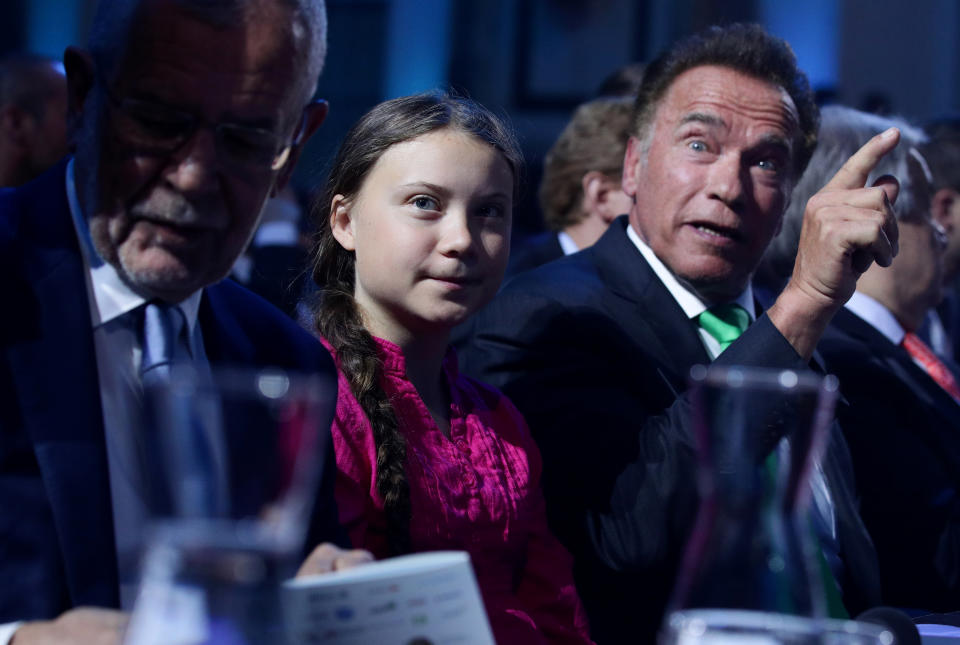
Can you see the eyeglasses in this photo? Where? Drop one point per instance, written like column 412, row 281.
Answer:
column 154, row 128
column 939, row 234
column 940, row 237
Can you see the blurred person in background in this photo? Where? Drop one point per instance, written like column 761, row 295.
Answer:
column 580, row 193
column 33, row 116
column 941, row 329
column 902, row 421
column 623, row 81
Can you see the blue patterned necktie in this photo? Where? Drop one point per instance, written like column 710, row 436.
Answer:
column 164, row 342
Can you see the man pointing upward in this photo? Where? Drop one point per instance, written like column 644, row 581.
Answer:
column 595, row 348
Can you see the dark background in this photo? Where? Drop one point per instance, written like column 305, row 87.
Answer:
column 533, row 60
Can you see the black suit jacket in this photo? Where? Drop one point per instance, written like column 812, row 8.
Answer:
column 596, row 353
column 56, row 526
column 904, row 435
column 540, row 249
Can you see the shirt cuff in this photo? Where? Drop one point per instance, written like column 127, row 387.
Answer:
column 7, row 630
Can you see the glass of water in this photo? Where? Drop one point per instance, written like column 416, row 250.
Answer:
column 742, row 627
column 229, row 486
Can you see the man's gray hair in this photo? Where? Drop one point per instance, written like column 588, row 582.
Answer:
column 842, row 132
column 114, row 19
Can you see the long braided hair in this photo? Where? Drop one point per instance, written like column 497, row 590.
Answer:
column 337, row 317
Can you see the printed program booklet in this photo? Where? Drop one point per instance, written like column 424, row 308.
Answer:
column 420, row 599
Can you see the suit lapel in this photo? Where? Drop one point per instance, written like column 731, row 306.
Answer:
column 648, row 307
column 58, row 390
column 224, row 339
column 913, row 377
column 899, row 362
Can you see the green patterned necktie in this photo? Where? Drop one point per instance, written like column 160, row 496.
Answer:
column 725, row 322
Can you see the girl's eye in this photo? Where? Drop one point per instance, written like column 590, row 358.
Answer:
column 426, row 203
column 490, row 210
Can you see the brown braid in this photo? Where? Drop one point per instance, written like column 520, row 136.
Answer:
column 337, row 317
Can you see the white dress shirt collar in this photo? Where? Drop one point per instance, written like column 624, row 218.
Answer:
column 112, row 297
column 691, row 304
column 877, row 315
column 566, row 243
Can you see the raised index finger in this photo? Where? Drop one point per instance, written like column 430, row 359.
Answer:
column 855, row 171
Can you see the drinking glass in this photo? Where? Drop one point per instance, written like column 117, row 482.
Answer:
column 235, row 460
column 752, row 548
column 739, row 627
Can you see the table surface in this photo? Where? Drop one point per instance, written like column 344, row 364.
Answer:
column 939, row 634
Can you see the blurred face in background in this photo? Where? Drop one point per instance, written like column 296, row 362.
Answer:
column 917, row 279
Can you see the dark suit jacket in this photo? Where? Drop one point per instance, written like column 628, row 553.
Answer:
column 595, row 352
column 904, row 435
column 540, row 249
column 56, row 525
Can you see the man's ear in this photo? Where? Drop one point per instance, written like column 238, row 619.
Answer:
column 942, row 206
column 78, row 65
column 313, row 117
column 631, row 163
column 341, row 222
column 597, row 192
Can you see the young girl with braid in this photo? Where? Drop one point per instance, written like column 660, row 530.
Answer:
column 414, row 236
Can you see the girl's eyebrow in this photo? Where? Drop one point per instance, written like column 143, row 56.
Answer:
column 443, row 191
column 424, row 184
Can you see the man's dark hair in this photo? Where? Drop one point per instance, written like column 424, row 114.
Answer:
column 745, row 48
column 942, row 152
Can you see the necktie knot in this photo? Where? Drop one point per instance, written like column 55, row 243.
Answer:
column 725, row 322
column 164, row 341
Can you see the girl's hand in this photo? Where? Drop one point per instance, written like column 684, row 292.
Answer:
column 329, row 557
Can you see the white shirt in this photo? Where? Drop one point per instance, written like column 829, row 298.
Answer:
column 878, row 316
column 567, row 245
column 691, row 304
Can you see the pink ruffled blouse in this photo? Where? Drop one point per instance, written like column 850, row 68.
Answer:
column 477, row 491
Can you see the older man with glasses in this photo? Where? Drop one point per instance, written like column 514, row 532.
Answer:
column 185, row 115
column 903, row 417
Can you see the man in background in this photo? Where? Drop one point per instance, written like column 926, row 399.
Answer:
column 33, row 117
column 580, row 193
column 941, row 329
column 903, row 419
